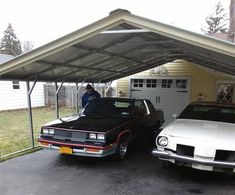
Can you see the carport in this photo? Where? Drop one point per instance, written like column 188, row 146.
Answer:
column 119, row 45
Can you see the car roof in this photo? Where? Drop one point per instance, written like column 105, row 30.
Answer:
column 121, row 98
column 212, row 103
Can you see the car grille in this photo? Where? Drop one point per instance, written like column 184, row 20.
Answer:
column 70, row 135
column 78, row 136
column 185, row 150
column 225, row 155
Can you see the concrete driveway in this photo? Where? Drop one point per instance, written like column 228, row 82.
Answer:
column 47, row 173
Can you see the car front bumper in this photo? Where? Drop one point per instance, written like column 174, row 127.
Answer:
column 83, row 150
column 164, row 155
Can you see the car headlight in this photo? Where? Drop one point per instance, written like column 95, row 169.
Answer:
column 45, row 131
column 162, row 141
column 51, row 132
column 100, row 136
column 48, row 131
column 92, row 136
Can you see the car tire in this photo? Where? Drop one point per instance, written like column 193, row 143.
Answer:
column 231, row 158
column 122, row 148
column 167, row 165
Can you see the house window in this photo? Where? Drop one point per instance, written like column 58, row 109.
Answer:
column 225, row 93
column 166, row 83
column 151, row 83
column 138, row 83
column 15, row 84
column 181, row 84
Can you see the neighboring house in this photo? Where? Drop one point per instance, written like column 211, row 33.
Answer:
column 13, row 94
column 230, row 35
column 224, row 36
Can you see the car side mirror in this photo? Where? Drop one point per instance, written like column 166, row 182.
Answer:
column 175, row 116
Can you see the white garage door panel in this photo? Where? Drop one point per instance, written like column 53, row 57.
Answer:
column 171, row 100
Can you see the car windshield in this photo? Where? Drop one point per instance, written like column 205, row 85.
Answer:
column 109, row 107
column 207, row 112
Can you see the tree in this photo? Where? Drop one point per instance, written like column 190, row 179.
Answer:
column 9, row 43
column 27, row 46
column 216, row 22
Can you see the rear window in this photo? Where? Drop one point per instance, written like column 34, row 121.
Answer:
column 212, row 113
column 120, row 104
column 115, row 107
column 109, row 107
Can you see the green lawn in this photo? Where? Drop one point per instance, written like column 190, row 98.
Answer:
column 14, row 127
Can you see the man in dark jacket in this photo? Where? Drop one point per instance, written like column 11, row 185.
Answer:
column 89, row 95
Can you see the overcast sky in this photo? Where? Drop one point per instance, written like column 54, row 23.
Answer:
column 42, row 21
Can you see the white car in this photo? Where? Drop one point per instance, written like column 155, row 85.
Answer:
column 202, row 137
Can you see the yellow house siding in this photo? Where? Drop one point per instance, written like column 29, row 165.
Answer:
column 122, row 86
column 203, row 81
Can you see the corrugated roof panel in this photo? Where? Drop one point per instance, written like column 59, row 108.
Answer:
column 65, row 55
column 117, row 46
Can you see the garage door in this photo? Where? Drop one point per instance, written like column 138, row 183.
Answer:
column 169, row 94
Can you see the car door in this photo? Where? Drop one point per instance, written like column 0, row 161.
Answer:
column 155, row 118
column 142, row 117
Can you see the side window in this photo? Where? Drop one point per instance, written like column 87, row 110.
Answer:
column 15, row 84
column 225, row 93
column 151, row 107
column 140, row 107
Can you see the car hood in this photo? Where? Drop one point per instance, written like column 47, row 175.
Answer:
column 200, row 129
column 88, row 123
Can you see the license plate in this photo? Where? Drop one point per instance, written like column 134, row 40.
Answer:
column 66, row 150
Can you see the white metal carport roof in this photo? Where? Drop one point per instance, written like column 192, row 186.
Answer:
column 116, row 46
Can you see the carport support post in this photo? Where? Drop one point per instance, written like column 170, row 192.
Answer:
column 29, row 92
column 57, row 99
column 77, row 94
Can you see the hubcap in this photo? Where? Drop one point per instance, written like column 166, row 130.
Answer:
column 123, row 148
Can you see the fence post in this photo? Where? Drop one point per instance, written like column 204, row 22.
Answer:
column 77, row 94
column 77, row 97
column 57, row 89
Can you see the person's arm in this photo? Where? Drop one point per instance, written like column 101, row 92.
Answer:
column 84, row 100
column 97, row 94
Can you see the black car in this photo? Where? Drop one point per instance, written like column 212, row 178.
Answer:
column 104, row 127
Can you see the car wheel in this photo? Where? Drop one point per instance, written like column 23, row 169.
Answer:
column 122, row 148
